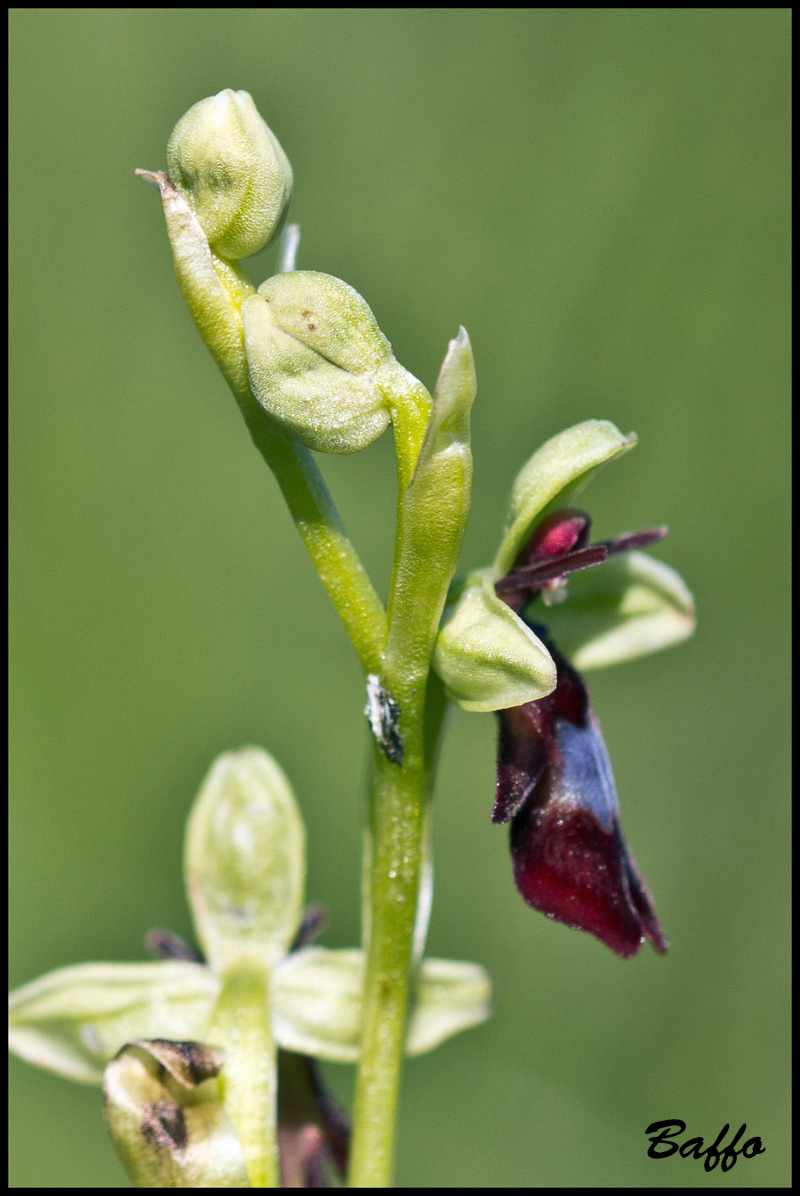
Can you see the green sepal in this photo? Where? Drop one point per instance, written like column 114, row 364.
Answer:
column 212, row 288
column 451, row 996
column 629, row 606
column 486, row 656
column 73, row 1020
column 166, row 1120
column 245, row 860
column 227, row 161
column 316, row 1003
column 317, row 993
column 553, row 476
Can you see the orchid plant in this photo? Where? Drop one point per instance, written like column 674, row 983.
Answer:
column 209, row 1056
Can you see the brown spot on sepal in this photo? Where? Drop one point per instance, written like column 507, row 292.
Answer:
column 163, row 1125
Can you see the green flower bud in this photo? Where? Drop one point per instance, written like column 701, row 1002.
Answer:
column 229, row 165
column 486, row 656
column 553, row 475
column 245, row 860
column 318, row 362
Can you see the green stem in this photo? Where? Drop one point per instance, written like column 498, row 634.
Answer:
column 397, row 824
column 430, row 528
column 241, row 1025
column 399, row 803
column 327, row 543
column 433, row 500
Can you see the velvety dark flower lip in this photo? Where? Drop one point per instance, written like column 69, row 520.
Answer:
column 554, row 777
column 313, row 1131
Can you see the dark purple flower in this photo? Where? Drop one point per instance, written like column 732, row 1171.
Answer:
column 313, row 1132
column 554, row 778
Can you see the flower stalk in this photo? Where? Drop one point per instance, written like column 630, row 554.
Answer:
column 241, row 1024
column 208, row 1057
column 433, row 515
column 305, row 335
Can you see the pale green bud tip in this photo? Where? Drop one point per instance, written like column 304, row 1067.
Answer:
column 229, row 165
column 318, row 362
column 486, row 656
column 455, row 392
column 245, row 859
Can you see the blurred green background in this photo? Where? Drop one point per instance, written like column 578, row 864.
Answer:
column 601, row 197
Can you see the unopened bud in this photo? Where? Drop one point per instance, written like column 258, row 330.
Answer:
column 318, row 362
column 227, row 162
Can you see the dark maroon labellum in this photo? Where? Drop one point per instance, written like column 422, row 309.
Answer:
column 313, row 1132
column 554, row 777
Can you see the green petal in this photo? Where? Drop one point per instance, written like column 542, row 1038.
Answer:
column 451, row 996
column 72, row 1021
column 317, row 1003
column 553, row 475
column 486, row 656
column 245, row 860
column 166, row 1120
column 627, row 607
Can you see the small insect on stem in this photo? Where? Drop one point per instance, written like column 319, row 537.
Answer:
column 383, row 715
